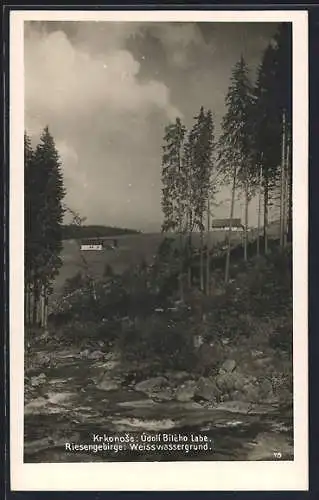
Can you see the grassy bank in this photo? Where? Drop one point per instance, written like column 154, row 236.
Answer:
column 246, row 325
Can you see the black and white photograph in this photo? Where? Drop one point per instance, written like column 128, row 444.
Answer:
column 162, row 177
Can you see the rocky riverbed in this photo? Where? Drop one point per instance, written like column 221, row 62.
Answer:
column 72, row 396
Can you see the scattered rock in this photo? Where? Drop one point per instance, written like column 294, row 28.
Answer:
column 127, row 424
column 229, row 365
column 60, row 397
column 251, row 392
column 96, row 355
column 261, row 362
column 165, row 394
column 225, row 341
column 42, row 359
column 207, row 389
column 108, row 365
column 39, row 380
column 181, row 375
column 257, row 354
column 150, row 385
column 35, row 406
column 226, row 397
column 234, row 406
column 263, row 409
column 266, row 390
column 226, row 382
column 105, row 383
column 241, row 380
column 186, row 392
column 84, row 354
column 236, row 395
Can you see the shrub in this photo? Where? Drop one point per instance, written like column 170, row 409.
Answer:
column 159, row 340
column 72, row 284
column 108, row 271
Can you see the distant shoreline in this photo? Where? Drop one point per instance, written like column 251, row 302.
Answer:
column 71, row 231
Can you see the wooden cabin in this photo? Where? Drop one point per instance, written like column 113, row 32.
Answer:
column 92, row 244
column 99, row 244
column 223, row 225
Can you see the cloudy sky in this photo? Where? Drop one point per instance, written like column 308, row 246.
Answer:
column 106, row 90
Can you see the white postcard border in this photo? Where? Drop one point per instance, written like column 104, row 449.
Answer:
column 165, row 476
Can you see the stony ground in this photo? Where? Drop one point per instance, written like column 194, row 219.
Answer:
column 70, row 394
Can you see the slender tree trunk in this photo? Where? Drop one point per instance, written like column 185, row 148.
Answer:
column 290, row 192
column 29, row 295
column 181, row 287
column 189, row 250
column 189, row 268
column 259, row 209
column 266, row 201
column 201, row 270
column 45, row 312
column 208, row 248
column 286, row 197
column 26, row 301
column 246, row 221
column 35, row 303
column 283, row 179
column 232, row 207
column 42, row 306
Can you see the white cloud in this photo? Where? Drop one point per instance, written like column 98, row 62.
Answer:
column 98, row 112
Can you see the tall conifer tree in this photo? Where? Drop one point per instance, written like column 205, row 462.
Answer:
column 236, row 143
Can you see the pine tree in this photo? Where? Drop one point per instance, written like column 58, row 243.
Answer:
column 236, row 144
column 273, row 102
column 29, row 257
column 187, row 160
column 283, row 97
column 202, row 135
column 267, row 131
column 175, row 187
column 44, row 221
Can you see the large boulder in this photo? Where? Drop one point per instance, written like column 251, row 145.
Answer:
column 207, row 389
column 107, row 384
column 39, row 380
column 150, row 385
column 186, row 391
column 178, row 375
column 231, row 381
column 251, row 392
column 263, row 362
column 96, row 355
column 228, row 366
column 266, row 390
column 225, row 382
column 234, row 406
column 165, row 394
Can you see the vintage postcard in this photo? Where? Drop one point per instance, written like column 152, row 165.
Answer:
column 158, row 250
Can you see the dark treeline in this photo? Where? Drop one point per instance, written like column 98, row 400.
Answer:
column 252, row 156
column 44, row 192
column 72, row 231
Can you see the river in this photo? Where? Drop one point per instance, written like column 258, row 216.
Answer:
column 66, row 407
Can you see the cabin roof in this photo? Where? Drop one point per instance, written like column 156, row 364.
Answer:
column 226, row 222
column 92, row 241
